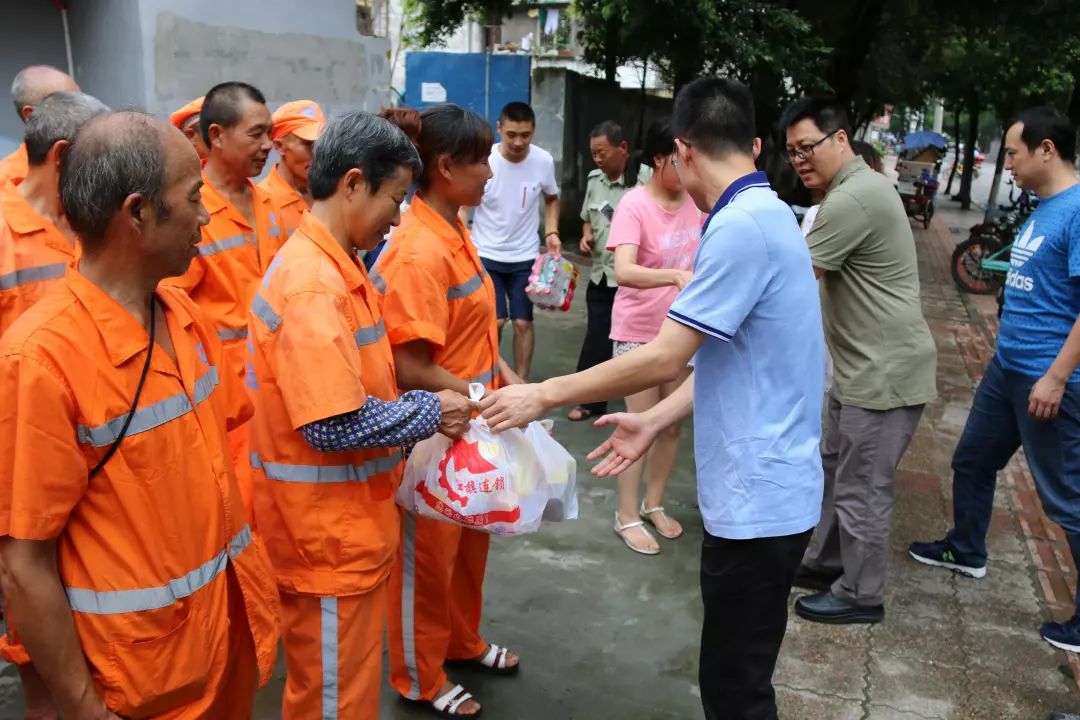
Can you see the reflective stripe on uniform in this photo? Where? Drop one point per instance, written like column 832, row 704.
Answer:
column 456, row 292
column 151, row 416
column 227, row 334
column 376, row 279
column 111, row 602
column 262, row 310
column 369, row 335
column 229, row 243
column 329, row 642
column 326, row 473
column 408, row 599
column 24, row 276
column 485, row 377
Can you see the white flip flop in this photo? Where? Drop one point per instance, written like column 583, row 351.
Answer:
column 645, row 514
column 619, row 528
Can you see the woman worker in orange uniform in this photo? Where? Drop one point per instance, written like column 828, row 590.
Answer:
column 329, row 426
column 439, row 307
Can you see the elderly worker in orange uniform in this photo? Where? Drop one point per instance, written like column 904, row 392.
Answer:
column 32, row 85
column 35, row 240
column 242, row 236
column 297, row 125
column 329, row 425
column 36, row 245
column 186, row 120
column 136, row 583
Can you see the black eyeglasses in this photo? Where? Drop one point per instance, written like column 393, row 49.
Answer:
column 806, row 152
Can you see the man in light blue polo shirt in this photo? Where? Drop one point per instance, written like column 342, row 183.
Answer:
column 751, row 316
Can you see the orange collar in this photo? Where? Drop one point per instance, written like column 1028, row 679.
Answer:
column 123, row 335
column 281, row 187
column 453, row 235
column 316, row 231
column 19, row 214
column 215, row 202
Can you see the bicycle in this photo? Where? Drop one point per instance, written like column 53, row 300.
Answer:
column 980, row 264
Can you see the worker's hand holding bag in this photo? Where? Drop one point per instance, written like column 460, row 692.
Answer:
column 500, row 484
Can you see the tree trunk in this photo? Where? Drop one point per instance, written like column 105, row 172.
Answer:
column 969, row 152
column 642, row 102
column 611, row 50
column 956, row 152
column 999, row 167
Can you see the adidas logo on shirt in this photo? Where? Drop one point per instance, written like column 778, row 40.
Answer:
column 1022, row 250
column 1026, row 246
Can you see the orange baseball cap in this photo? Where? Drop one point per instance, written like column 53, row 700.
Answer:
column 182, row 115
column 303, row 118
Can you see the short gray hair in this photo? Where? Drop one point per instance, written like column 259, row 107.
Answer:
column 359, row 140
column 58, row 117
column 112, row 157
column 33, row 83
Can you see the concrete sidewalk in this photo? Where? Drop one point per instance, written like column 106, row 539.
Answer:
column 609, row 635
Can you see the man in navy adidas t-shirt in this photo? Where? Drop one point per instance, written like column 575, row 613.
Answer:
column 1030, row 393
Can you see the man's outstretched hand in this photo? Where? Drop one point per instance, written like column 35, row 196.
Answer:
column 513, row 406
column 634, row 434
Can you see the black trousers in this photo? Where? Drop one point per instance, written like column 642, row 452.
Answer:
column 599, row 299
column 745, row 586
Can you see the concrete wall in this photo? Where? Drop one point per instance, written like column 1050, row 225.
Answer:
column 30, row 34
column 106, row 42
column 289, row 49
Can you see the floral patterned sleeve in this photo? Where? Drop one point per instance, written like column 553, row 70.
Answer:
column 379, row 423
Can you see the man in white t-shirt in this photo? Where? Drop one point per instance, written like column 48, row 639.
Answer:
column 506, row 224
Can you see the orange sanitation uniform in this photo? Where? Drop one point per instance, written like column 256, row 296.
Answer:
column 171, row 592
column 320, row 350
column 435, row 290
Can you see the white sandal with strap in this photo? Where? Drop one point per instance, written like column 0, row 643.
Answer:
column 619, row 528
column 495, row 661
column 646, row 514
column 447, row 705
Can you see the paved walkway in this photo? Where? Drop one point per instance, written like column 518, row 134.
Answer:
column 609, row 635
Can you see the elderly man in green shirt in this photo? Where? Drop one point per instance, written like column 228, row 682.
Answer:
column 884, row 359
column 607, row 185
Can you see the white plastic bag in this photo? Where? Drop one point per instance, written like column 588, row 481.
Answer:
column 500, row 484
column 560, row 472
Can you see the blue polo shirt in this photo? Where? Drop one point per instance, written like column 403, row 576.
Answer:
column 759, row 375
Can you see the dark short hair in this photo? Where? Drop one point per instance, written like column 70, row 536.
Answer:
column 58, row 117
column 517, row 112
column 359, row 140
column 716, row 115
column 112, row 156
column 1047, row 123
column 223, row 104
column 450, row 130
column 826, row 112
column 611, row 130
column 659, row 140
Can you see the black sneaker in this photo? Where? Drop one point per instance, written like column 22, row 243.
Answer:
column 1063, row 716
column 811, row 579
column 941, row 554
column 1065, row 636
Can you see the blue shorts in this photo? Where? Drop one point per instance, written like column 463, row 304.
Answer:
column 510, row 280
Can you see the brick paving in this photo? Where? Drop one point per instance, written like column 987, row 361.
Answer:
column 950, row 647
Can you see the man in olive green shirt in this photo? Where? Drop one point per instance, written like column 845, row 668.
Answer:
column 606, row 187
column 884, row 361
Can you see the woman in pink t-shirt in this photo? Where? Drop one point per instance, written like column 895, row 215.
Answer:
column 654, row 234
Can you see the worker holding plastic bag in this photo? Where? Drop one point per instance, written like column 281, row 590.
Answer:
column 500, row 484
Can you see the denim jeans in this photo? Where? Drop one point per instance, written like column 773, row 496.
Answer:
column 997, row 427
